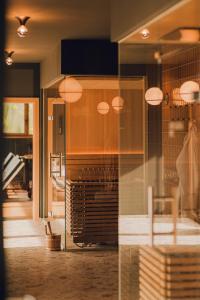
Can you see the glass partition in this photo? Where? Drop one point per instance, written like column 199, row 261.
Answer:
column 132, row 147
column 158, row 175
column 83, row 146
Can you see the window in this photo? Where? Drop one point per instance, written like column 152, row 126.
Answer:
column 18, row 119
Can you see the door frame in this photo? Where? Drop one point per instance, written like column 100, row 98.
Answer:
column 51, row 103
column 36, row 158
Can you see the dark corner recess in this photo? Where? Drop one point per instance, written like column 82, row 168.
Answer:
column 89, row 57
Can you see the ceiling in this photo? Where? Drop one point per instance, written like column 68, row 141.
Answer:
column 51, row 21
column 184, row 14
column 144, row 53
column 135, row 50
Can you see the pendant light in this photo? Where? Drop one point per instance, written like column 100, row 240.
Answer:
column 70, row 89
column 8, row 57
column 117, row 103
column 154, row 96
column 188, row 89
column 22, row 30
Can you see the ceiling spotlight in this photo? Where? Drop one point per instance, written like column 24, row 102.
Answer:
column 8, row 59
column 145, row 33
column 22, row 30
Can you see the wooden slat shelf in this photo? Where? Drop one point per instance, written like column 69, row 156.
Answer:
column 91, row 193
column 92, row 210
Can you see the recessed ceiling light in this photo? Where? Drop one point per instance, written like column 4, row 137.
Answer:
column 8, row 58
column 145, row 33
column 22, row 30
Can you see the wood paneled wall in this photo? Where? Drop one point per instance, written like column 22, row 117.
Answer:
column 88, row 131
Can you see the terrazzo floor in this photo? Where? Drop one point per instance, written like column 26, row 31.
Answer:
column 73, row 275
column 77, row 274
column 129, row 272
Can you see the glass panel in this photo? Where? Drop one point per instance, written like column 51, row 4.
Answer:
column 167, row 212
column 89, row 192
column 131, row 172
column 92, row 160
column 13, row 118
column 30, row 119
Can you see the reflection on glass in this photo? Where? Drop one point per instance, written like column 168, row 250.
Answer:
column 170, row 166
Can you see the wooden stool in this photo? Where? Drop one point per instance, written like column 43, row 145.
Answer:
column 169, row 272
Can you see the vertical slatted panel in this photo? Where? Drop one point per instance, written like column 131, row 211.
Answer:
column 92, row 203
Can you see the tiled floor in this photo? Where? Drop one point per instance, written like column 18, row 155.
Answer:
column 74, row 275
column 81, row 274
column 77, row 274
column 129, row 272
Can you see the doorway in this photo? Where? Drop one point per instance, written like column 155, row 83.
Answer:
column 21, row 161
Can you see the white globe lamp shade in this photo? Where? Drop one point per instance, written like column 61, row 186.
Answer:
column 154, row 96
column 117, row 103
column 103, row 108
column 70, row 90
column 187, row 91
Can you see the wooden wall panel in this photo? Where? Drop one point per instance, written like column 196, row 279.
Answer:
column 88, row 131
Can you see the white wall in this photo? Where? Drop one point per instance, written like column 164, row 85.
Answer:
column 51, row 67
column 127, row 15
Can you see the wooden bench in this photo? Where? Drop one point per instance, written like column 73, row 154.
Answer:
column 169, row 272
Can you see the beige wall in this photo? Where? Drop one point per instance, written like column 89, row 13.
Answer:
column 127, row 15
column 50, row 67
